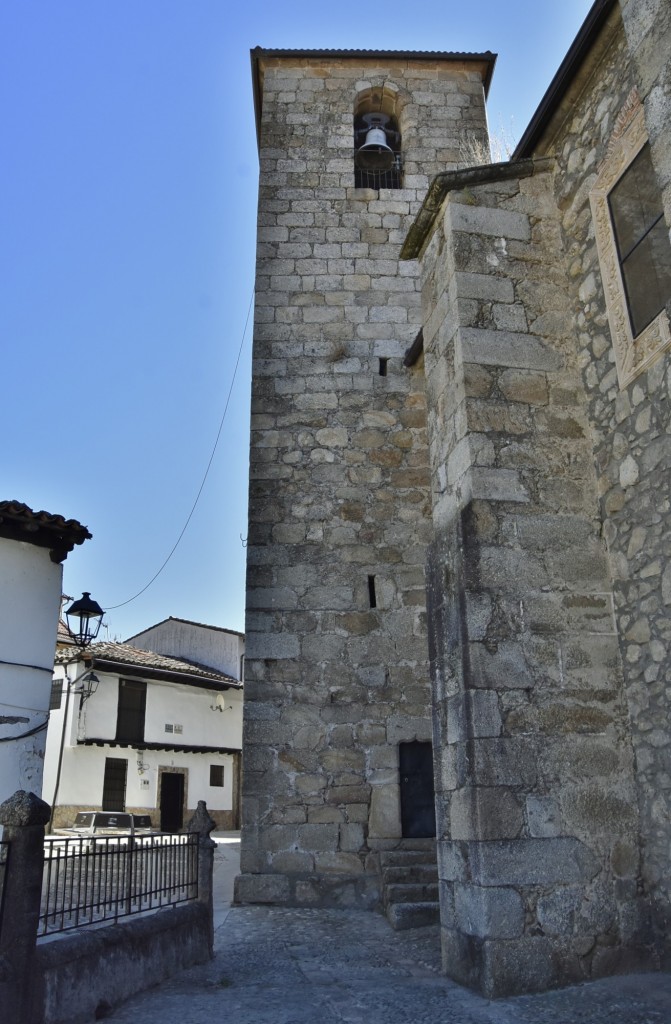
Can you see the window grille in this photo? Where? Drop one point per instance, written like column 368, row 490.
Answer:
column 56, row 694
column 386, row 140
column 380, row 179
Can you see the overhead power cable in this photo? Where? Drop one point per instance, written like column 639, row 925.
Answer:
column 156, row 575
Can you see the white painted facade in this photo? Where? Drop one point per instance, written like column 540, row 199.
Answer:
column 30, row 596
column 195, row 716
column 222, row 649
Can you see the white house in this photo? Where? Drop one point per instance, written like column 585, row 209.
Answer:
column 32, row 547
column 151, row 732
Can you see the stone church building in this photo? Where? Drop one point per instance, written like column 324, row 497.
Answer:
column 459, row 573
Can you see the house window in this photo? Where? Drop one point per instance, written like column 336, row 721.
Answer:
column 131, row 711
column 114, row 784
column 216, row 774
column 642, row 240
column 56, row 694
column 632, row 241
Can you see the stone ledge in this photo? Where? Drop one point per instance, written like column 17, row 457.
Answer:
column 450, row 181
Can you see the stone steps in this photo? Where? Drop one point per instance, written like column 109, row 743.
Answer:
column 417, row 849
column 410, row 885
column 414, row 892
column 412, row 915
column 416, row 873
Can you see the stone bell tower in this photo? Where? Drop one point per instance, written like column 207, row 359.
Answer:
column 337, row 687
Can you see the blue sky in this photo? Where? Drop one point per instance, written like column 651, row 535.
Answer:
column 128, row 206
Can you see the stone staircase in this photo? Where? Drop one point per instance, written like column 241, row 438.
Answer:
column 410, row 885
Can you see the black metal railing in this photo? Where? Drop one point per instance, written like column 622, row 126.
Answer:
column 380, row 179
column 4, row 857
column 102, row 878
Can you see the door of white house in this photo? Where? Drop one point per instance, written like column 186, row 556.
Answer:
column 171, row 800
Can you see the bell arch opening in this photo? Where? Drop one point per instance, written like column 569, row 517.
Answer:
column 378, row 161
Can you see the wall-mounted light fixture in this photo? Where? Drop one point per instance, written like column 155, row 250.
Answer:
column 87, row 687
column 84, row 618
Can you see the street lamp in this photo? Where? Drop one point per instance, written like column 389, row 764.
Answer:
column 84, row 618
column 87, row 687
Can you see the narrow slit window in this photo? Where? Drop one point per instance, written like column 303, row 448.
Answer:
column 383, row 367
column 372, row 597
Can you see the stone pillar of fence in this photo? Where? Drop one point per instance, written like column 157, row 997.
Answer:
column 202, row 824
column 23, row 817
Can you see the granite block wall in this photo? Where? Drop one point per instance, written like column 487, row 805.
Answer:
column 512, row 463
column 630, row 426
column 538, row 848
column 336, row 658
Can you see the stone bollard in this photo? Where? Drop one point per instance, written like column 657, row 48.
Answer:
column 202, row 824
column 23, row 817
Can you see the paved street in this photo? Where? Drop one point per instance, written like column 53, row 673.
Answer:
column 276, row 966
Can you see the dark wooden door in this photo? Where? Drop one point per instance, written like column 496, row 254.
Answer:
column 172, row 801
column 418, row 810
column 114, row 784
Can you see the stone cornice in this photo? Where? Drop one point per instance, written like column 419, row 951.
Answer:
column 450, row 181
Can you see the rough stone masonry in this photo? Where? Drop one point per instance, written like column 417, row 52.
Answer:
column 337, row 657
column 513, row 458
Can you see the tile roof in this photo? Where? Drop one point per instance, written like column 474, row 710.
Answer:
column 63, row 635
column 155, row 664
column 44, row 530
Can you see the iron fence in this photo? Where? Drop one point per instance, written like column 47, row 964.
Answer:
column 102, row 878
column 4, row 857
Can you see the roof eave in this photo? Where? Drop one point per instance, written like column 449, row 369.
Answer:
column 188, row 622
column 159, row 674
column 42, row 529
column 183, row 748
column 566, row 73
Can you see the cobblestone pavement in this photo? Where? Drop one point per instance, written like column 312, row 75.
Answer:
column 279, row 966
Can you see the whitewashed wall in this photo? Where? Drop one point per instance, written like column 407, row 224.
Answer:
column 83, row 767
column 30, row 594
column 207, row 645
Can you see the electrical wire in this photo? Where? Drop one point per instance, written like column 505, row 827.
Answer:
column 22, row 664
column 22, row 735
column 113, row 607
column 20, row 707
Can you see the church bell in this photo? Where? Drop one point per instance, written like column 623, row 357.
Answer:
column 375, row 154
